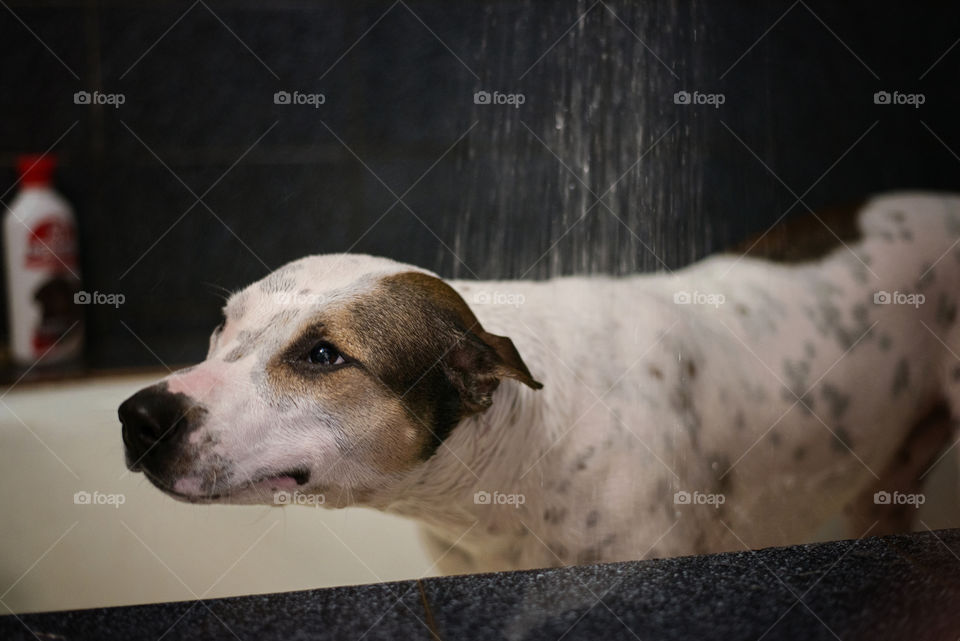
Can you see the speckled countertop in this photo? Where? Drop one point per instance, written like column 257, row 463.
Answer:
column 898, row 587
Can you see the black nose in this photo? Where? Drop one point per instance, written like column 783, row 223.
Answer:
column 150, row 416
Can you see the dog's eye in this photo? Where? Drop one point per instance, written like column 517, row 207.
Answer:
column 325, row 354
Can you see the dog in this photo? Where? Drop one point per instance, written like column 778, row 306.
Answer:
column 738, row 403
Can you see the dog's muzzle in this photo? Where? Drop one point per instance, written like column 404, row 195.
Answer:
column 155, row 422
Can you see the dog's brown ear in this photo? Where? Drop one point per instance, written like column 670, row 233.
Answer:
column 510, row 365
column 476, row 364
column 473, row 359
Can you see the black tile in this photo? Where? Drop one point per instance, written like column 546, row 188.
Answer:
column 210, row 81
column 415, row 91
column 45, row 60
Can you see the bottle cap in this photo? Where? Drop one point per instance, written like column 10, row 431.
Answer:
column 36, row 169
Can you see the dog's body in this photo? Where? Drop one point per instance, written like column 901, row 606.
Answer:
column 738, row 402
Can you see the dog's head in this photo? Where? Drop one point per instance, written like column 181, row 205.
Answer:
column 334, row 375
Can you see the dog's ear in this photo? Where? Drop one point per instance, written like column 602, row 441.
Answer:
column 477, row 362
column 474, row 360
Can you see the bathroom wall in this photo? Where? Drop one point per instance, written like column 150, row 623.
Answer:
column 199, row 182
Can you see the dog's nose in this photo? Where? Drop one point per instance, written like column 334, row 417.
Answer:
column 151, row 415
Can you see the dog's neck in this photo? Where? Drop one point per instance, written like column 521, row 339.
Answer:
column 486, row 453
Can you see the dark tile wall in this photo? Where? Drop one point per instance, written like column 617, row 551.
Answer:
column 200, row 183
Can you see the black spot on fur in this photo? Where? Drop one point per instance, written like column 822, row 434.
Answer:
column 580, row 463
column 828, row 317
column 592, row 518
column 837, row 401
column 554, row 515
column 799, row 453
column 841, row 442
column 885, row 342
column 795, row 377
column 861, row 314
column 946, row 310
column 655, row 372
column 901, row 377
column 739, row 421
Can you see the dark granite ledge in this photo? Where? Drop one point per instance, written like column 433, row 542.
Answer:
column 898, row 587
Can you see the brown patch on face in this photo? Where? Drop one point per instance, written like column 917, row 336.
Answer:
column 418, row 362
column 802, row 238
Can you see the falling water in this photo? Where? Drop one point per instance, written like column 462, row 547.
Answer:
column 593, row 173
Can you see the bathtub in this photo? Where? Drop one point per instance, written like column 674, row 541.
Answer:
column 132, row 544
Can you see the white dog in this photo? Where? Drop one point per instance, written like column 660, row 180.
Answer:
column 737, row 402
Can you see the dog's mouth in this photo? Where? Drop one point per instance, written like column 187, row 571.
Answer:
column 300, row 475
column 263, row 488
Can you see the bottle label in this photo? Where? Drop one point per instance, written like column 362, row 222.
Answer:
column 58, row 313
column 52, row 245
column 51, row 250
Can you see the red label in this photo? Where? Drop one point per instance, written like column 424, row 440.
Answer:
column 52, row 245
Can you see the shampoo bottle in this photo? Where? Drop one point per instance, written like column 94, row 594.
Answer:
column 43, row 282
